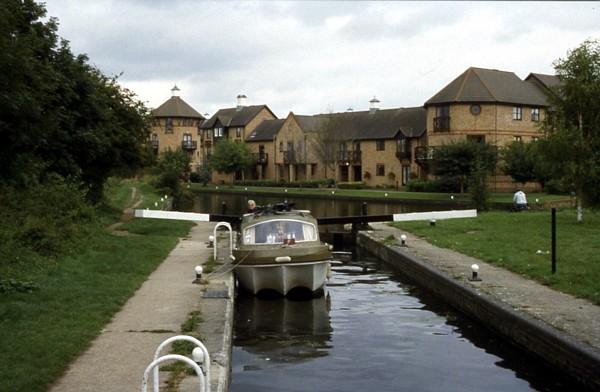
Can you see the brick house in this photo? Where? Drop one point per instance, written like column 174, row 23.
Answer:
column 175, row 126
column 231, row 123
column 262, row 144
column 486, row 105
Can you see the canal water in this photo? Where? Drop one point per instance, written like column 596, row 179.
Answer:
column 372, row 330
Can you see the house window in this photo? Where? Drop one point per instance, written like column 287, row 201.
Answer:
column 380, row 145
column 218, row 132
column 280, row 146
column 535, row 114
column 517, row 138
column 535, row 138
column 238, row 132
column 402, row 145
column 380, row 171
column 517, row 113
column 169, row 125
column 441, row 121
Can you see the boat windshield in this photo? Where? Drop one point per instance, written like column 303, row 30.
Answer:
column 280, row 231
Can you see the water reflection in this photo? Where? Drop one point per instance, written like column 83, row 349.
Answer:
column 373, row 331
column 283, row 330
column 236, row 204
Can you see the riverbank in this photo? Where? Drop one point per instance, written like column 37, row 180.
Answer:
column 71, row 297
column 497, row 200
column 562, row 330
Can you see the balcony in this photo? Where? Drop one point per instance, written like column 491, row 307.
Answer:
column 406, row 154
column 424, row 154
column 261, row 158
column 289, row 157
column 349, row 157
column 188, row 145
column 441, row 124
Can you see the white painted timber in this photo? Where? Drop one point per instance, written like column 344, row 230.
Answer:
column 173, row 215
column 413, row 216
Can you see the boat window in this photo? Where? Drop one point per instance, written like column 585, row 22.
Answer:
column 276, row 231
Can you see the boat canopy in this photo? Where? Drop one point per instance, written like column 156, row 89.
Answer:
column 275, row 231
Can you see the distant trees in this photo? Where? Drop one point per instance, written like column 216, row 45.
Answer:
column 572, row 128
column 231, row 157
column 58, row 114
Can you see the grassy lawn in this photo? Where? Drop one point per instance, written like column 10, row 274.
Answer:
column 511, row 240
column 77, row 294
column 362, row 194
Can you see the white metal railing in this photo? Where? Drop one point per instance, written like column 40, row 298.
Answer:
column 228, row 226
column 202, row 361
column 174, row 357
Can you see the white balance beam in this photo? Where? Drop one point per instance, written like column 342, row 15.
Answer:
column 173, row 215
column 413, row 216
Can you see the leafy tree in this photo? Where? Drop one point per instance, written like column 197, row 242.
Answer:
column 326, row 139
column 173, row 167
column 461, row 159
column 572, row 128
column 58, row 114
column 519, row 161
column 230, row 157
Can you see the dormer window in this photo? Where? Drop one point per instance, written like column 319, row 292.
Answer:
column 218, row 132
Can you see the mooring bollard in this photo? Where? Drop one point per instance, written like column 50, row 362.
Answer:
column 224, row 208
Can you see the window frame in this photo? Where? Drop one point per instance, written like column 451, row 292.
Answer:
column 517, row 113
column 380, row 145
column 535, row 114
column 380, row 170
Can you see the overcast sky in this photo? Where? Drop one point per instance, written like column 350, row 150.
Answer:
column 314, row 57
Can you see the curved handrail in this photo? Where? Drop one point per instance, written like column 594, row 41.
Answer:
column 189, row 339
column 173, row 357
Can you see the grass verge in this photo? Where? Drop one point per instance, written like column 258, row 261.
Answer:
column 375, row 194
column 512, row 241
column 77, row 293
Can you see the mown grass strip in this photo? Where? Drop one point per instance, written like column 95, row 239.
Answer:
column 371, row 194
column 521, row 242
column 77, row 294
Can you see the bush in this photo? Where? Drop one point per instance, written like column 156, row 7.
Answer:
column 351, row 185
column 441, row 185
column 556, row 187
column 283, row 184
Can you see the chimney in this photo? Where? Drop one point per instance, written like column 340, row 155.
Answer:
column 241, row 101
column 175, row 91
column 373, row 105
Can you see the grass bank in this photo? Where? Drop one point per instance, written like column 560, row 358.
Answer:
column 376, row 194
column 512, row 241
column 76, row 293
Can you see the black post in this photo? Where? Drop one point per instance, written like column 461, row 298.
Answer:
column 363, row 224
column 553, row 240
column 224, row 208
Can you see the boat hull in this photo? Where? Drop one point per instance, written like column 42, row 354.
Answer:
column 283, row 277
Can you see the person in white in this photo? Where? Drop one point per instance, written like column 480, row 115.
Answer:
column 520, row 200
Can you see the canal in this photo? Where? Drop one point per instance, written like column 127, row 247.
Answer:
column 372, row 330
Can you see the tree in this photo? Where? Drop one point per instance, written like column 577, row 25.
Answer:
column 327, row 136
column 230, row 157
column 519, row 161
column 58, row 114
column 461, row 159
column 572, row 128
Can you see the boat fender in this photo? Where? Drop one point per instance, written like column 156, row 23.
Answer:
column 283, row 259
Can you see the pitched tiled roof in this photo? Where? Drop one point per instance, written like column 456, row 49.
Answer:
column 232, row 117
column 489, row 85
column 547, row 81
column 382, row 124
column 176, row 107
column 266, row 130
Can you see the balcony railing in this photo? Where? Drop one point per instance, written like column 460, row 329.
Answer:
column 189, row 144
column 406, row 154
column 441, row 124
column 424, row 154
column 289, row 157
column 261, row 158
column 349, row 157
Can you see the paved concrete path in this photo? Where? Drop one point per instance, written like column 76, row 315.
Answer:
column 118, row 356
column 576, row 317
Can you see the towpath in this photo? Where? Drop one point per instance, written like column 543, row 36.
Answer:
column 116, row 359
